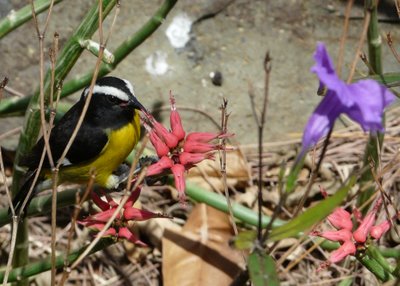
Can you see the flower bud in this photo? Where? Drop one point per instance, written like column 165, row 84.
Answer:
column 340, row 218
column 161, row 148
column 178, row 171
column 361, row 233
column 348, row 248
column 139, row 215
column 206, row 136
column 124, row 232
column 176, row 125
column 188, row 159
column 170, row 139
column 341, row 235
column 99, row 202
column 160, row 166
column 378, row 230
column 199, row 147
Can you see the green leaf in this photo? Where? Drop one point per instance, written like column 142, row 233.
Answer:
column 312, row 215
column 262, row 269
column 245, row 239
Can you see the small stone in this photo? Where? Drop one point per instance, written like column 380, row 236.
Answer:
column 216, row 78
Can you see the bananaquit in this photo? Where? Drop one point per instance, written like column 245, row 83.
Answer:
column 109, row 132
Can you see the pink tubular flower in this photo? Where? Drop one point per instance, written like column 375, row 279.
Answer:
column 161, row 148
column 119, row 227
column 194, row 158
column 341, row 235
column 347, row 248
column 378, row 230
column 160, row 166
column 175, row 121
column 178, row 171
column 349, row 240
column 340, row 218
column 361, row 233
column 177, row 151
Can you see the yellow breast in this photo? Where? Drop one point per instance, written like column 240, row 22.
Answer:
column 120, row 143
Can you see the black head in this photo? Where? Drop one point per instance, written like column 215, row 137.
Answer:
column 113, row 99
column 116, row 91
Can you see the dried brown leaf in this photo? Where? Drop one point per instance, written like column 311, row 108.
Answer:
column 200, row 254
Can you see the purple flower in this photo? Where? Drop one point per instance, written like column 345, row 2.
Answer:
column 363, row 101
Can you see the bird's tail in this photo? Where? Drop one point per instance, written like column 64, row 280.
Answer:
column 23, row 198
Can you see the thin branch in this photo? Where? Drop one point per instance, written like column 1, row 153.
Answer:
column 71, row 232
column 222, row 162
column 364, row 58
column 392, row 48
column 314, row 174
column 367, row 18
column 344, row 36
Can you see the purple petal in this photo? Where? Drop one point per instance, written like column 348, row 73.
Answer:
column 321, row 120
column 370, row 100
column 326, row 73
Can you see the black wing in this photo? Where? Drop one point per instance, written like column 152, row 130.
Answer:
column 88, row 143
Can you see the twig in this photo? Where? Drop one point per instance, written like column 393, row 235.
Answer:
column 363, row 57
column 222, row 162
column 14, row 225
column 392, row 48
column 78, row 207
column 367, row 18
column 260, row 121
column 14, row 92
column 314, row 174
column 11, row 132
column 344, row 36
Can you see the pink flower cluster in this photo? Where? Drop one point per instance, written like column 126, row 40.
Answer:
column 177, row 151
column 349, row 239
column 120, row 226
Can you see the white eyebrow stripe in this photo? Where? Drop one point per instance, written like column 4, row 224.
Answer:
column 110, row 91
column 129, row 86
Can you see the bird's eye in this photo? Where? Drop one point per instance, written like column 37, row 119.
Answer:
column 113, row 99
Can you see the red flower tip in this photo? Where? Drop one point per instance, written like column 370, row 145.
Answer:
column 139, row 215
column 378, row 230
column 169, row 139
column 133, row 197
column 104, row 216
column 206, row 136
column 178, row 171
column 340, row 218
column 361, row 233
column 99, row 202
column 176, row 125
column 124, row 232
column 161, row 148
column 199, row 147
column 186, row 158
column 160, row 166
column 347, row 248
column 341, row 235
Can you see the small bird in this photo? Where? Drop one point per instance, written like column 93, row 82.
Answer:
column 109, row 132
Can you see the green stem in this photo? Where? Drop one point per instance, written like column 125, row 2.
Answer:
column 217, row 201
column 16, row 19
column 20, row 273
column 375, row 60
